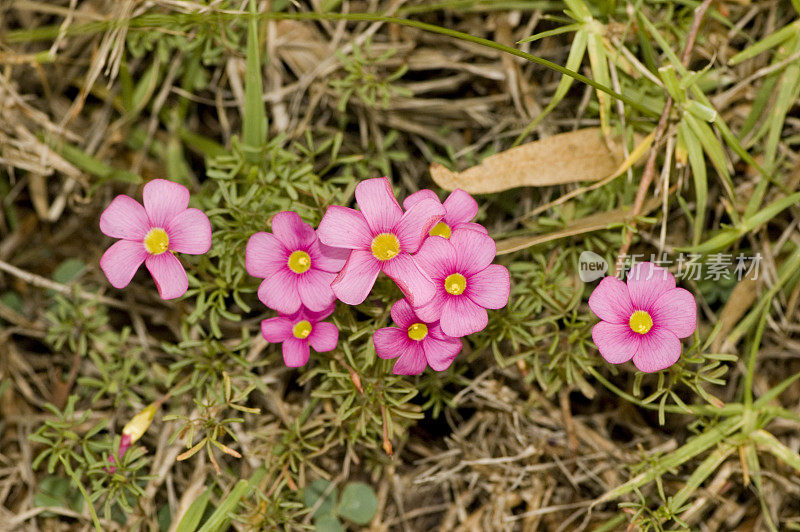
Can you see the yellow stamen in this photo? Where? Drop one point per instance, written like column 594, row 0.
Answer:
column 385, row 246
column 299, row 262
column 156, row 241
column 641, row 322
column 418, row 331
column 302, row 329
column 455, row 284
column 441, row 229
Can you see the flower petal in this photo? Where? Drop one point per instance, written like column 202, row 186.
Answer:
column 474, row 250
column 279, row 292
column 342, row 227
column 491, row 287
column 460, row 207
column 121, row 261
column 431, row 311
column 440, row 353
column 390, row 342
column 326, row 258
column 276, row 330
column 292, row 231
column 472, row 226
column 324, row 337
column 416, row 223
column 376, row 200
column 415, row 285
column 676, row 311
column 315, row 289
column 436, row 257
column 412, row 361
column 357, row 278
column 460, row 317
column 295, row 352
column 314, row 316
column 646, row 283
column 125, row 218
column 418, row 196
column 610, row 301
column 403, row 315
column 616, row 342
column 189, row 232
column 169, row 275
column 265, row 255
column 163, row 200
column 658, row 349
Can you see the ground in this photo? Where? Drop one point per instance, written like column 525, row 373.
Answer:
column 627, row 129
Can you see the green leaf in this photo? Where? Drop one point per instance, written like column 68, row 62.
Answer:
column 221, row 518
column 57, row 492
column 698, row 164
column 254, row 121
column 328, row 523
column 312, row 494
column 68, row 271
column 358, row 503
column 195, row 512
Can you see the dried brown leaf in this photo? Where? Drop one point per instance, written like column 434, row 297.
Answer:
column 581, row 155
column 595, row 222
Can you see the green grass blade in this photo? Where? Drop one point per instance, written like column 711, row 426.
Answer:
column 766, row 43
column 220, row 519
column 698, row 165
column 697, row 445
column 194, row 514
column 254, row 121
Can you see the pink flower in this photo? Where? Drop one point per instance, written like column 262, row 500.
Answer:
column 460, row 208
column 381, row 238
column 642, row 319
column 296, row 268
column 152, row 234
column 417, row 343
column 466, row 281
column 299, row 331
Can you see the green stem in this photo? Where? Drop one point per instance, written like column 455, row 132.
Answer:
column 697, row 410
column 84, row 493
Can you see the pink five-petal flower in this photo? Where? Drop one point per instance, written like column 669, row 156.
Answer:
column 152, row 234
column 466, row 281
column 380, row 237
column 460, row 208
column 642, row 319
column 300, row 331
column 417, row 344
column 297, row 269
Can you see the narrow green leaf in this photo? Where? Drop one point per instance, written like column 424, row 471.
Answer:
column 195, row 513
column 220, row 519
column 698, row 165
column 772, row 445
column 697, row 445
column 712, row 462
column 254, row 121
column 771, row 41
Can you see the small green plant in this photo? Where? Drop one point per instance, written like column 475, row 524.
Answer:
column 356, row 503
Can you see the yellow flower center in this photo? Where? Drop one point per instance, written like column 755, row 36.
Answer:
column 641, row 322
column 302, row 329
column 440, row 229
column 156, row 241
column 455, row 284
column 385, row 246
column 418, row 331
column 299, row 261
